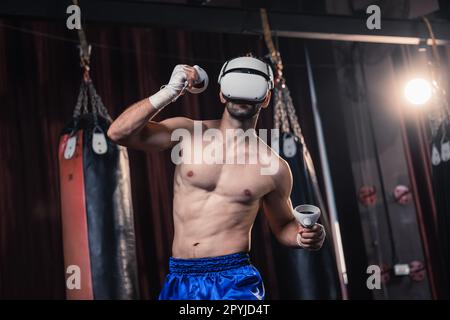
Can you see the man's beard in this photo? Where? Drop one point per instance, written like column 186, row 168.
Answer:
column 243, row 111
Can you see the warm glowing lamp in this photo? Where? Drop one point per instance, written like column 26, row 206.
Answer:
column 418, row 91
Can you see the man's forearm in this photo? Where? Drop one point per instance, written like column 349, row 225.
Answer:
column 288, row 234
column 132, row 120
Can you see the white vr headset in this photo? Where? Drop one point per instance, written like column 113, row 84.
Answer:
column 245, row 79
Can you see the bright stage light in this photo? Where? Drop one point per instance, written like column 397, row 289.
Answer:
column 418, row 91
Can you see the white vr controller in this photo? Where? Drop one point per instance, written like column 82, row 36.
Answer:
column 245, row 79
column 202, row 78
column 307, row 215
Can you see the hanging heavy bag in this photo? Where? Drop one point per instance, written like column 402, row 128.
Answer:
column 96, row 206
column 304, row 274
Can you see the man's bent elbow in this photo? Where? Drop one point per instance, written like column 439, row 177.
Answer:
column 115, row 135
column 283, row 239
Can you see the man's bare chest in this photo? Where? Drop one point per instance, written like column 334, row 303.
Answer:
column 240, row 182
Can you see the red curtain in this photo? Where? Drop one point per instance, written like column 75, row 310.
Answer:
column 39, row 81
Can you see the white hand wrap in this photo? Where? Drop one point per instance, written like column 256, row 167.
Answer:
column 177, row 84
column 171, row 91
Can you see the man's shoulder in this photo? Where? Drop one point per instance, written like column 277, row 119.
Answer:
column 284, row 171
column 282, row 175
column 189, row 123
column 211, row 124
column 270, row 152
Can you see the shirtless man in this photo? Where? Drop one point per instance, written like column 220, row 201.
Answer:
column 215, row 205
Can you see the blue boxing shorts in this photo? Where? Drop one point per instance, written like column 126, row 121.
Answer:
column 229, row 277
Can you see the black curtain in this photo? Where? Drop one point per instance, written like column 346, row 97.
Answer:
column 39, row 82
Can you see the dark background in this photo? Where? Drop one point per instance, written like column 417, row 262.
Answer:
column 39, row 82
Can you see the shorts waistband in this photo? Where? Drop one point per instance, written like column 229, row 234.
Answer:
column 205, row 265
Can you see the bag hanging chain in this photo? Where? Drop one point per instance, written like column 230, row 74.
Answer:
column 284, row 111
column 87, row 89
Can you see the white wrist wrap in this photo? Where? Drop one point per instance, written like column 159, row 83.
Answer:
column 171, row 91
column 162, row 98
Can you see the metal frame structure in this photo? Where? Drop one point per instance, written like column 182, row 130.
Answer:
column 233, row 20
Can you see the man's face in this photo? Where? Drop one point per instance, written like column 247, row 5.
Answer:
column 242, row 111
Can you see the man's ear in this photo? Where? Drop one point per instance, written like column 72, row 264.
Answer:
column 266, row 100
column 222, row 99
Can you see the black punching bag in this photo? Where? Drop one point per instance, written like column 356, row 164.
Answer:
column 304, row 274
column 97, row 213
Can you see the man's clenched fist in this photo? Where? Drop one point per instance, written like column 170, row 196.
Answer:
column 311, row 238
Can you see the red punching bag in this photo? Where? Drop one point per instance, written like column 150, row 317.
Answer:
column 96, row 206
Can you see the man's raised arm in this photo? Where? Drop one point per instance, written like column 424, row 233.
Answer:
column 133, row 127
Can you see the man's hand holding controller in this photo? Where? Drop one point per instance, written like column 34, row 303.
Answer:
column 183, row 78
column 311, row 235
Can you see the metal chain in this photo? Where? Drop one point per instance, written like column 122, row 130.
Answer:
column 280, row 114
column 93, row 103
column 87, row 89
column 80, row 100
column 88, row 93
column 284, row 114
column 98, row 108
column 284, row 111
column 85, row 100
column 292, row 115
